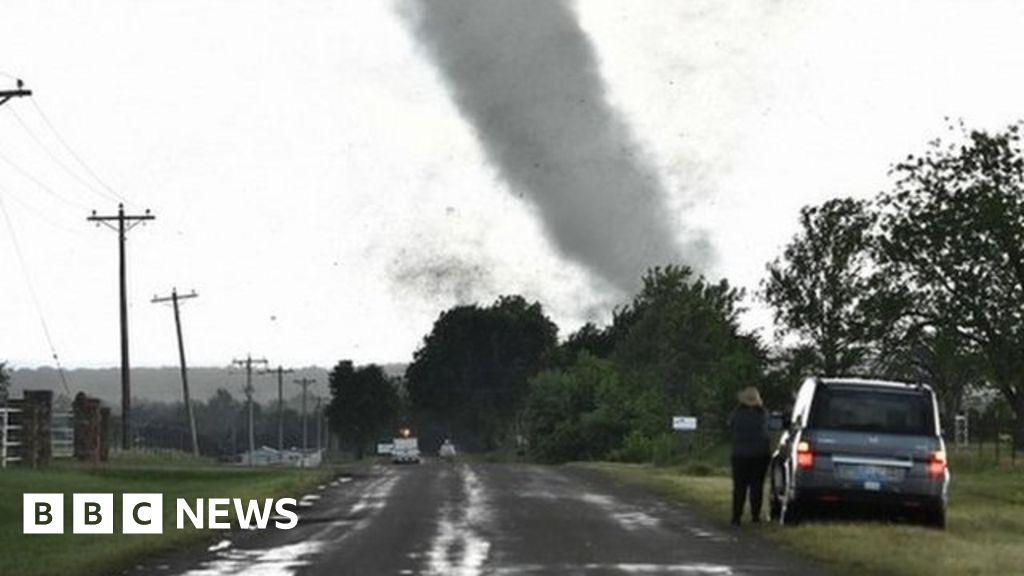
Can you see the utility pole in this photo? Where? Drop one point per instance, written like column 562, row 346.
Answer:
column 280, row 371
column 6, row 95
column 319, row 427
column 174, row 298
column 248, row 362
column 125, row 223
column 304, row 382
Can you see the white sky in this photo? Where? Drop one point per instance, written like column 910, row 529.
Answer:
column 296, row 153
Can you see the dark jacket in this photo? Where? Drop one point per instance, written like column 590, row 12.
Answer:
column 749, row 426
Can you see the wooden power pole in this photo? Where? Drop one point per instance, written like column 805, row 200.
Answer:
column 20, row 92
column 248, row 362
column 174, row 298
column 280, row 371
column 304, row 382
column 125, row 223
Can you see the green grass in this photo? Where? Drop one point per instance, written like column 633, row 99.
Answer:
column 186, row 477
column 984, row 534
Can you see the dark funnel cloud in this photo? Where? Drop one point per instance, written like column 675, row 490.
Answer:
column 525, row 75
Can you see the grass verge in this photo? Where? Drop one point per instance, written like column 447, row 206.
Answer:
column 84, row 554
column 984, row 534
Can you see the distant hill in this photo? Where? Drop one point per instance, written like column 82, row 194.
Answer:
column 164, row 384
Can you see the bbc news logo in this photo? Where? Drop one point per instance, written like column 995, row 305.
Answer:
column 144, row 513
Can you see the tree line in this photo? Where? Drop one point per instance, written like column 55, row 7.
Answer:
column 923, row 282
column 222, row 425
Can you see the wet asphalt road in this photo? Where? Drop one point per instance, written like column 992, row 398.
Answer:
column 442, row 518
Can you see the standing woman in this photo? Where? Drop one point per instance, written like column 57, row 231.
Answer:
column 750, row 453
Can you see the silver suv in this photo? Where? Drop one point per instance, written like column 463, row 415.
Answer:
column 853, row 442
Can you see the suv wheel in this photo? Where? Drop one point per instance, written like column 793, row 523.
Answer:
column 936, row 517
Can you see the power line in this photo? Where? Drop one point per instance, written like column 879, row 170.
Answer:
column 39, row 213
column 71, row 151
column 35, row 297
column 28, row 176
column 46, row 149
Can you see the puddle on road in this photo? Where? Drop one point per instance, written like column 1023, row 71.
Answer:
column 287, row 560
column 626, row 516
column 689, row 569
column 458, row 549
column 222, row 545
column 280, row 561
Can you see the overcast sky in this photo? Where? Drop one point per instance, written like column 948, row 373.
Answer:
column 329, row 176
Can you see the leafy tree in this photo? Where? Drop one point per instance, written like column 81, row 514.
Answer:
column 939, row 356
column 363, row 403
column 681, row 350
column 220, row 424
column 820, row 287
column 577, row 413
column 953, row 249
column 472, row 371
column 589, row 339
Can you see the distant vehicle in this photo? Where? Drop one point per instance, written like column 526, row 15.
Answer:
column 853, row 442
column 447, row 450
column 384, row 447
column 405, row 450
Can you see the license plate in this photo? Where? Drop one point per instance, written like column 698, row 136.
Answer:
column 872, row 474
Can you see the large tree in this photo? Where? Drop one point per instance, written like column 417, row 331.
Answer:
column 681, row 350
column 471, row 373
column 952, row 249
column 819, row 287
column 938, row 355
column 364, row 403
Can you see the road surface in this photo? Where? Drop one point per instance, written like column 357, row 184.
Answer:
column 443, row 518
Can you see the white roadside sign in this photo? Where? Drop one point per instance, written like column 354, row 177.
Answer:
column 684, row 422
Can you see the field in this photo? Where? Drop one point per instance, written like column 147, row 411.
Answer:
column 984, row 535
column 67, row 554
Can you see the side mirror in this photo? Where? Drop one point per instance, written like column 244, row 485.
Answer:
column 778, row 421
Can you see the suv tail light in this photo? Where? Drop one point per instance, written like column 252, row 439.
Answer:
column 804, row 456
column 937, row 463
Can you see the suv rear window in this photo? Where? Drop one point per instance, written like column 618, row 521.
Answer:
column 862, row 409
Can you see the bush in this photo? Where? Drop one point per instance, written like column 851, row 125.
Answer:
column 665, row 450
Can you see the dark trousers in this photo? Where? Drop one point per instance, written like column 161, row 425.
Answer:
column 748, row 477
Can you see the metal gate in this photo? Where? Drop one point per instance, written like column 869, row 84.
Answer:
column 10, row 435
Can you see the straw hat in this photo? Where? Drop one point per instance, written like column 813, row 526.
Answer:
column 749, row 396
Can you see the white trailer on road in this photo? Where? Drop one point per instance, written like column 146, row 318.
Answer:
column 405, row 450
